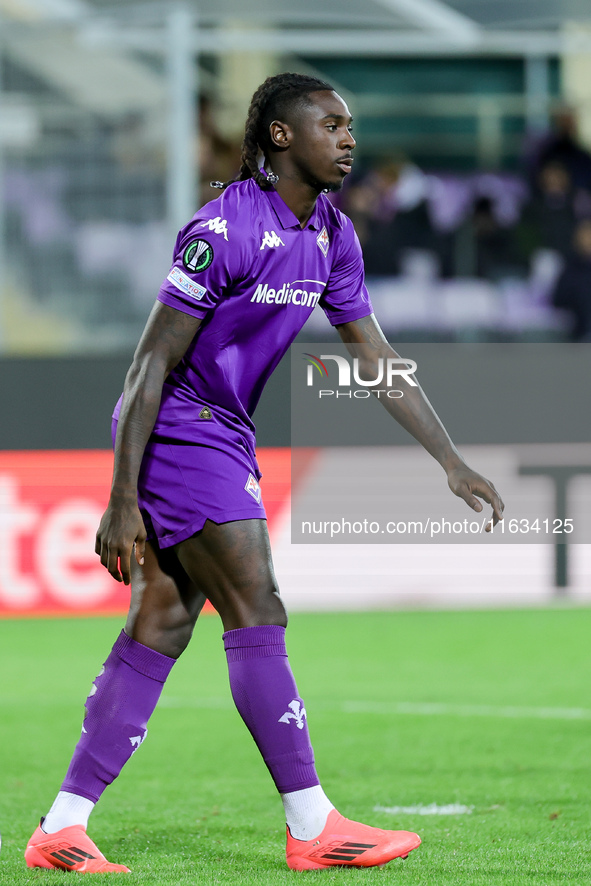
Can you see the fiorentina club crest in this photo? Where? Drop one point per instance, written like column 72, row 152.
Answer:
column 253, row 488
column 323, row 241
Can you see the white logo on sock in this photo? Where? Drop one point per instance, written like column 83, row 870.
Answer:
column 136, row 741
column 93, row 690
column 94, row 687
column 297, row 713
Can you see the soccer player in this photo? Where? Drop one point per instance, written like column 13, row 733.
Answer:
column 185, row 521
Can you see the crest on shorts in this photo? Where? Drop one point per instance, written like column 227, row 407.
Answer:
column 253, row 488
column 323, row 241
column 198, row 256
column 205, row 413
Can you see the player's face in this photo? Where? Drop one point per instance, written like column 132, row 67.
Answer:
column 322, row 141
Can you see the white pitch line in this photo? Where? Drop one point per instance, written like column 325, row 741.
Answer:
column 431, row 809
column 466, row 710
column 414, row 709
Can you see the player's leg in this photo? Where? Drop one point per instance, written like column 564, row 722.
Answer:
column 231, row 563
column 163, row 611
column 165, row 603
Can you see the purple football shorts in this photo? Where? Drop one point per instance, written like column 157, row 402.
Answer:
column 182, row 484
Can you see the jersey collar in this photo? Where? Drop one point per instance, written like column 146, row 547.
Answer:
column 286, row 217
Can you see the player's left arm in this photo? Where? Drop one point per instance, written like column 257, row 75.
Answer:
column 414, row 412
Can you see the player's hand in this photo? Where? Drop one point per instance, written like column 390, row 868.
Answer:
column 467, row 484
column 121, row 529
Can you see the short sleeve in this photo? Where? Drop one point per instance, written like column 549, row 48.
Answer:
column 207, row 260
column 346, row 297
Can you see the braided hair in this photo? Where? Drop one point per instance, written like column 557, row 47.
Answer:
column 272, row 101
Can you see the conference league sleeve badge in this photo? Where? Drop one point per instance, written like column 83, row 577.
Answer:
column 198, row 256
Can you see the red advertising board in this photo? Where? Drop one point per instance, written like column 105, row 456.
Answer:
column 50, row 507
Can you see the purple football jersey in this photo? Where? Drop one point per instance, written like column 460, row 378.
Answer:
column 245, row 266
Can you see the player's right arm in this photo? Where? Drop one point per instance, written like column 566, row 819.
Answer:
column 165, row 339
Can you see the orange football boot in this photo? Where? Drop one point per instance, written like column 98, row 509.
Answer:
column 348, row 843
column 69, row 850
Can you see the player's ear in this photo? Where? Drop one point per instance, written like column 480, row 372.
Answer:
column 280, row 135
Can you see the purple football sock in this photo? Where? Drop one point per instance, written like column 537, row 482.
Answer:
column 267, row 699
column 117, row 712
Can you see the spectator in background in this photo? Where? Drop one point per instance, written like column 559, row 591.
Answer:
column 561, row 145
column 573, row 289
column 549, row 218
column 219, row 157
column 496, row 256
column 390, row 210
column 371, row 198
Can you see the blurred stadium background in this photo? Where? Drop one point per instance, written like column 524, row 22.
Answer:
column 471, row 196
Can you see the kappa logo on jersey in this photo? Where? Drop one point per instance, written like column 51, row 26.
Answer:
column 253, row 488
column 217, row 225
column 198, row 256
column 323, row 241
column 185, row 284
column 271, row 239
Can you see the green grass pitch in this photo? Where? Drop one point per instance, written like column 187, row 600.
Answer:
column 508, row 738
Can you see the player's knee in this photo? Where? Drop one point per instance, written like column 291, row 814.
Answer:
column 168, row 639
column 173, row 643
column 275, row 616
column 263, row 607
column 166, row 625
column 269, row 609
